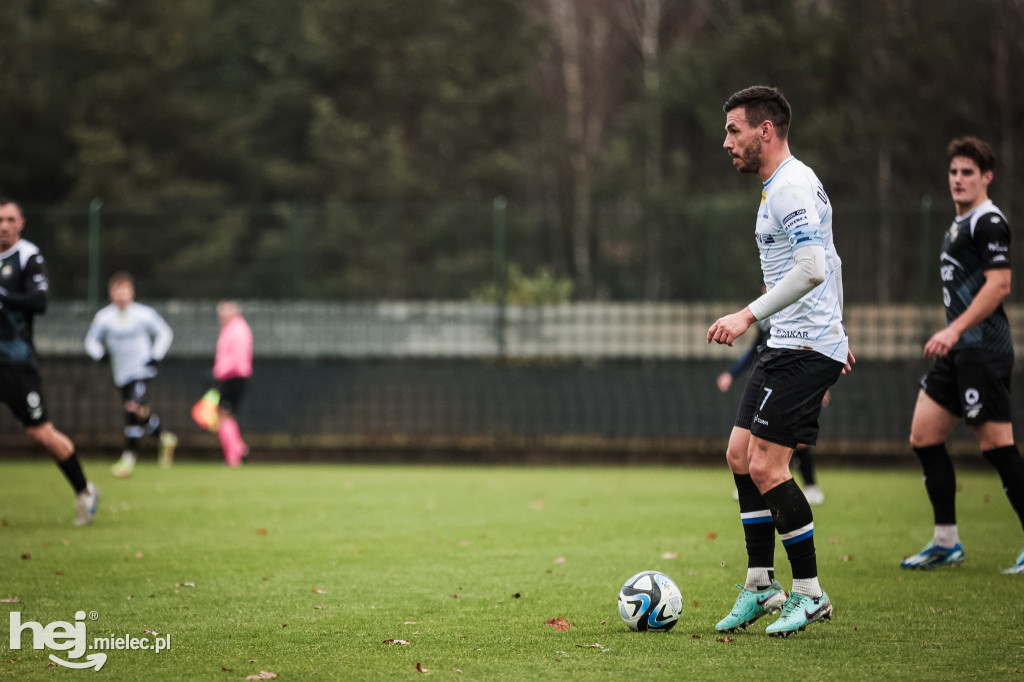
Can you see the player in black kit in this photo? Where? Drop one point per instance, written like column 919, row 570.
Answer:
column 973, row 354
column 23, row 291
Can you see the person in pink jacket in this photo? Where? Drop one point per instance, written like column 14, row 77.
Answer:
column 232, row 368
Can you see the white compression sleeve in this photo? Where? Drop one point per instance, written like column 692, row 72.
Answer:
column 809, row 272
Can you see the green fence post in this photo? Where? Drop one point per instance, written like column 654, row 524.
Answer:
column 924, row 271
column 298, row 249
column 500, row 272
column 93, row 287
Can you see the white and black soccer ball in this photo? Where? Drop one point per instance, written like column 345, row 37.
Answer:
column 650, row 601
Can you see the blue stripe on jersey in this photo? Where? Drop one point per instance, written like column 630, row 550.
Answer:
column 763, row 516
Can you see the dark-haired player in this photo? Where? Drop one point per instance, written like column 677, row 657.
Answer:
column 23, row 292
column 973, row 354
column 806, row 353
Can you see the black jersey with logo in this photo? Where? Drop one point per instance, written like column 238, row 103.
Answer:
column 23, row 288
column 974, row 243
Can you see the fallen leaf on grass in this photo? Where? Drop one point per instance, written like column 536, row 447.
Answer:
column 711, row 536
column 10, row 600
column 453, row 595
column 227, row 670
column 560, row 560
column 188, row 584
column 846, row 557
column 463, row 543
column 595, row 645
column 26, row 555
column 150, row 632
column 725, row 639
column 264, row 675
column 425, row 671
column 138, row 555
column 411, row 622
column 318, row 607
column 560, row 624
column 395, row 641
column 316, row 591
column 670, row 555
column 835, row 540
column 261, row 531
column 695, row 636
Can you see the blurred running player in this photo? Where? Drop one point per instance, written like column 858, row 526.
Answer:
column 232, row 368
column 135, row 338
column 23, row 293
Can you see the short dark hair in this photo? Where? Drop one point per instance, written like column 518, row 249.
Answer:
column 5, row 200
column 977, row 150
column 763, row 103
column 119, row 277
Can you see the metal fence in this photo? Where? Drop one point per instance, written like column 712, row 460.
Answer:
column 453, row 376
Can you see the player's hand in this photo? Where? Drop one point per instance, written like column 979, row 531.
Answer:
column 724, row 381
column 850, row 362
column 940, row 343
column 729, row 328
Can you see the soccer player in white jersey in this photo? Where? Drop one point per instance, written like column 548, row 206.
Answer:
column 806, row 353
column 973, row 355
column 136, row 338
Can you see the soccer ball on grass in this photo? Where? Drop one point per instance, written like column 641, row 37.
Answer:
column 650, row 601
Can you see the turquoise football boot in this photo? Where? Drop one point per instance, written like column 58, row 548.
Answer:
column 933, row 555
column 752, row 605
column 799, row 612
column 1017, row 568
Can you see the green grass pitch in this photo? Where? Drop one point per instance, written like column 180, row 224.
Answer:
column 306, row 570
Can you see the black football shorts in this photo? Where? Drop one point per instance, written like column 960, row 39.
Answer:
column 21, row 390
column 782, row 400
column 973, row 384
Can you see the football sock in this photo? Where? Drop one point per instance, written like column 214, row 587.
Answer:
column 133, row 431
column 1010, row 465
column 940, row 482
column 152, row 426
column 805, row 465
column 759, row 533
column 807, row 586
column 231, row 441
column 795, row 523
column 72, row 469
column 946, row 535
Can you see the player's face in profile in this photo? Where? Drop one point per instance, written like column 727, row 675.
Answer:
column 742, row 142
column 967, row 184
column 11, row 224
column 121, row 294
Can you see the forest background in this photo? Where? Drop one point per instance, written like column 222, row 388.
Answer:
column 370, row 149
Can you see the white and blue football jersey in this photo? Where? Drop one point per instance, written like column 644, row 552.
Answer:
column 133, row 337
column 794, row 213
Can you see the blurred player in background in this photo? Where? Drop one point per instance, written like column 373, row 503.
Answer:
column 23, row 292
column 232, row 368
column 805, row 355
column 802, row 456
column 973, row 354
column 135, row 338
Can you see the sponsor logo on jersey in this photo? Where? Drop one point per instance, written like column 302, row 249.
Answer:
column 954, row 230
column 6, row 271
column 996, row 247
column 794, row 214
column 764, row 238
column 946, row 271
column 972, row 396
column 790, row 334
column 758, row 420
